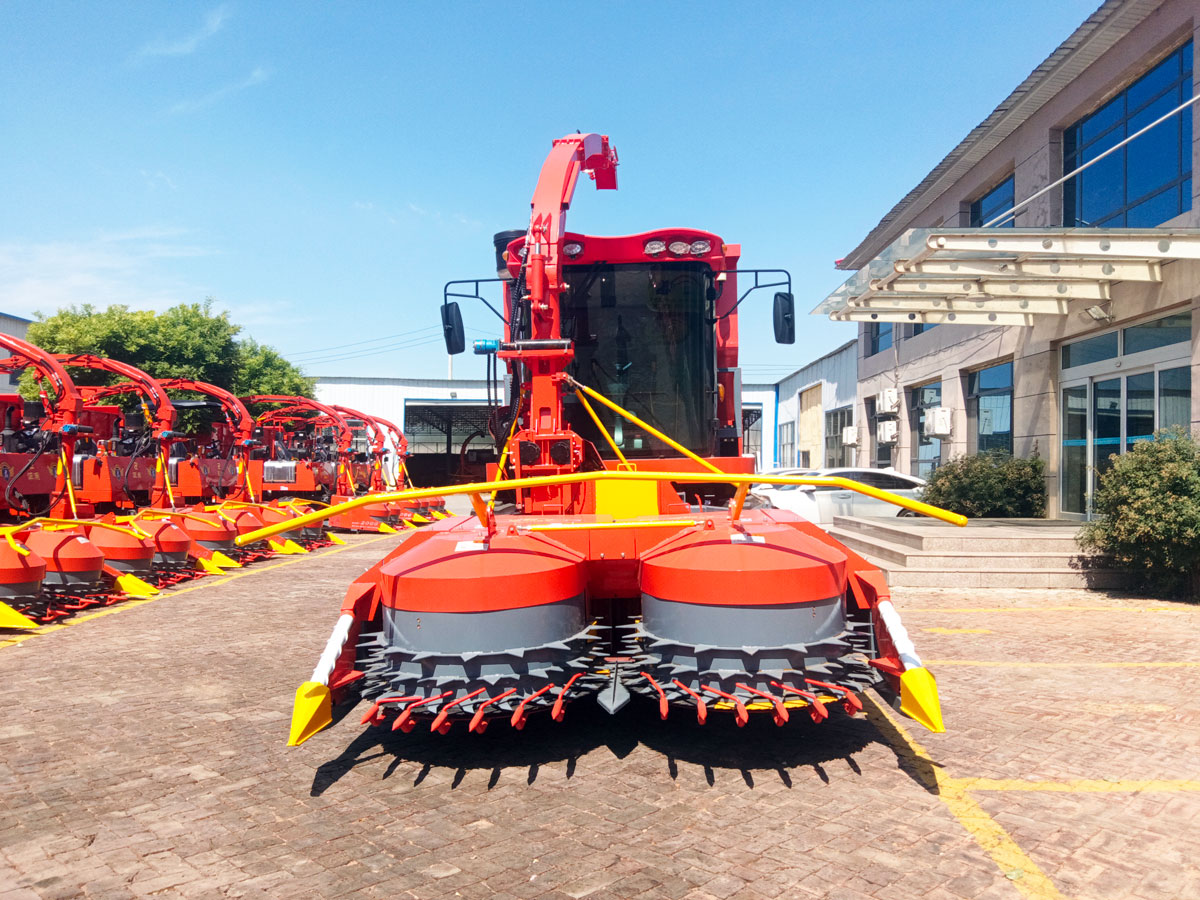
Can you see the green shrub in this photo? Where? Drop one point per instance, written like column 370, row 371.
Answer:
column 990, row 485
column 1148, row 513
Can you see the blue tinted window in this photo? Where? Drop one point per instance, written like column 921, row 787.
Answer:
column 996, row 201
column 1159, row 333
column 879, row 336
column 992, row 379
column 1091, row 350
column 1141, row 184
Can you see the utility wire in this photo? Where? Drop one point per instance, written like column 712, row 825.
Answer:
column 405, row 345
column 386, row 337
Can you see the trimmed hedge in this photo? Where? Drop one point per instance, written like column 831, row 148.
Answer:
column 1148, row 513
column 990, row 485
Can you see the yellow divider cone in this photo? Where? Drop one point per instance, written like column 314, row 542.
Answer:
column 208, row 566
column 224, row 561
column 919, row 698
column 385, row 528
column 10, row 618
column 436, row 514
column 135, row 587
column 333, row 538
column 420, row 519
column 288, row 547
column 408, row 524
column 312, row 711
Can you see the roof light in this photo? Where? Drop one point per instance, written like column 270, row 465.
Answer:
column 699, row 248
column 572, row 249
column 679, row 248
column 655, row 247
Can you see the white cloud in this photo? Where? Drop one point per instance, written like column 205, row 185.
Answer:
column 114, row 267
column 187, row 45
column 258, row 76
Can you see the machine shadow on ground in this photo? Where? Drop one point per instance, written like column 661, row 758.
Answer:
column 759, row 750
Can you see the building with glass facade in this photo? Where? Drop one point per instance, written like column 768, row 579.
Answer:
column 1070, row 344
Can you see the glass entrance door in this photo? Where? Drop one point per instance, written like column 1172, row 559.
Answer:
column 1107, row 415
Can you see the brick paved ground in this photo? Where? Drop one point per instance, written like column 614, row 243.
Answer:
column 142, row 754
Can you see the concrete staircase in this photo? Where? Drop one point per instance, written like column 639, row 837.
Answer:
column 1012, row 553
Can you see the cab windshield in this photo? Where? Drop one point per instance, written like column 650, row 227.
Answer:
column 643, row 338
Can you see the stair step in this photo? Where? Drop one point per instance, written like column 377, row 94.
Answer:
column 1093, row 579
column 992, row 535
column 994, row 555
column 967, row 560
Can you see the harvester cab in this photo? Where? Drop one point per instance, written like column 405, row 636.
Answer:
column 412, row 512
column 125, row 466
column 38, row 481
column 629, row 564
column 329, row 436
column 216, row 464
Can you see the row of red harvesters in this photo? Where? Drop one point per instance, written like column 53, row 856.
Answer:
column 103, row 503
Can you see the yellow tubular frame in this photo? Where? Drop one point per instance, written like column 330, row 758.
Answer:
column 600, row 398
column 604, row 431
column 586, row 477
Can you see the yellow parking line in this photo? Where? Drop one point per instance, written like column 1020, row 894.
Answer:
column 987, row 832
column 1023, row 664
column 1081, row 786
column 206, row 582
column 1008, row 609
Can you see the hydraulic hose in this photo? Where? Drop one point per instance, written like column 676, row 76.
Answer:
column 11, row 488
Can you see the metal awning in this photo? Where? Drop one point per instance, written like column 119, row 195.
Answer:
column 1003, row 276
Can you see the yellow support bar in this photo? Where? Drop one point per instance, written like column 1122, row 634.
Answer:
column 162, row 464
column 739, row 500
column 590, row 526
column 512, row 429
column 604, row 431
column 600, row 398
column 583, row 477
column 66, row 470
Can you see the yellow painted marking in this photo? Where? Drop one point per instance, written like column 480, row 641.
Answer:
column 206, row 583
column 1008, row 609
column 1021, row 664
column 1016, row 865
column 958, row 630
column 1080, row 786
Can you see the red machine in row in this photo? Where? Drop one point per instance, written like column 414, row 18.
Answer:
column 110, row 499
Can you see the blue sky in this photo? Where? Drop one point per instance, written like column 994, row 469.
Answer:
column 321, row 169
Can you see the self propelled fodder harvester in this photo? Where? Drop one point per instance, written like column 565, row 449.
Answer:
column 628, row 563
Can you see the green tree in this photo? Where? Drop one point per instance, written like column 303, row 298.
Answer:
column 185, row 341
column 261, row 370
column 1148, row 512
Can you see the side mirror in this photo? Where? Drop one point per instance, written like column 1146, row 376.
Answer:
column 785, row 318
column 452, row 329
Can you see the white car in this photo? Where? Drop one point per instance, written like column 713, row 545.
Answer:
column 819, row 504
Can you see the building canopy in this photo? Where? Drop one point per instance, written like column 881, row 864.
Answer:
column 1003, row 276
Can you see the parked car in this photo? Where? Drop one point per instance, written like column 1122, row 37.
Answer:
column 820, row 504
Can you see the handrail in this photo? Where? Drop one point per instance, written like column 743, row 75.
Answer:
column 607, row 475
